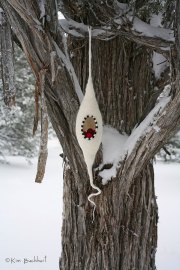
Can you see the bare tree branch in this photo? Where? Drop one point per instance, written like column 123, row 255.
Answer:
column 65, row 59
column 7, row 60
column 119, row 21
column 39, row 46
column 161, row 126
column 43, row 153
column 36, row 114
column 39, row 52
column 140, row 32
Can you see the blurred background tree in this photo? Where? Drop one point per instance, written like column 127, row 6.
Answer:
column 16, row 124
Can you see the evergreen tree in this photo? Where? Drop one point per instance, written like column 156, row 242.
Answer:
column 171, row 153
column 16, row 124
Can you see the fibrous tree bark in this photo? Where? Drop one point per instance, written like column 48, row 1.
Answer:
column 124, row 233
column 7, row 61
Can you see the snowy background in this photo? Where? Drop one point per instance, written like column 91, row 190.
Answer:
column 30, row 213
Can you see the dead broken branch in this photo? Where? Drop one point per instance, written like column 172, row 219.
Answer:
column 43, row 152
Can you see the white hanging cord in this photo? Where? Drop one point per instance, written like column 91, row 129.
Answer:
column 89, row 167
column 93, row 186
column 90, row 55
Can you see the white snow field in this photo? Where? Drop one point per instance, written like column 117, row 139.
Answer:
column 31, row 214
column 167, row 181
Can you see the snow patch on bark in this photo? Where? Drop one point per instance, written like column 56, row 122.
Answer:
column 116, row 147
column 160, row 63
column 108, row 174
column 112, row 144
column 113, row 151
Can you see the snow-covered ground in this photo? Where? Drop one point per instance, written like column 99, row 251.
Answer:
column 30, row 214
column 167, row 179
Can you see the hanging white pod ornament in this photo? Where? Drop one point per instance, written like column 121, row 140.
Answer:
column 89, row 126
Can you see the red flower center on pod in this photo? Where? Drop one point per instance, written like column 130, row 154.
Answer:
column 89, row 133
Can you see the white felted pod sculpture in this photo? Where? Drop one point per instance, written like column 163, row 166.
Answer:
column 89, row 127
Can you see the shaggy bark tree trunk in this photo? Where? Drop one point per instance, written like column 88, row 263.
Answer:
column 123, row 235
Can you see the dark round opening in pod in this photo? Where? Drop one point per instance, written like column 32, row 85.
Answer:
column 89, row 126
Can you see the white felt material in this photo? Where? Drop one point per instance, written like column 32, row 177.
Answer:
column 89, row 106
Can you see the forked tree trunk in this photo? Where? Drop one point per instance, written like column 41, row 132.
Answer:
column 123, row 235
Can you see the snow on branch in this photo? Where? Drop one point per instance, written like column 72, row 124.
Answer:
column 122, row 151
column 151, row 135
column 147, row 30
column 7, row 60
column 153, row 132
column 80, row 30
column 135, row 29
column 149, row 122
